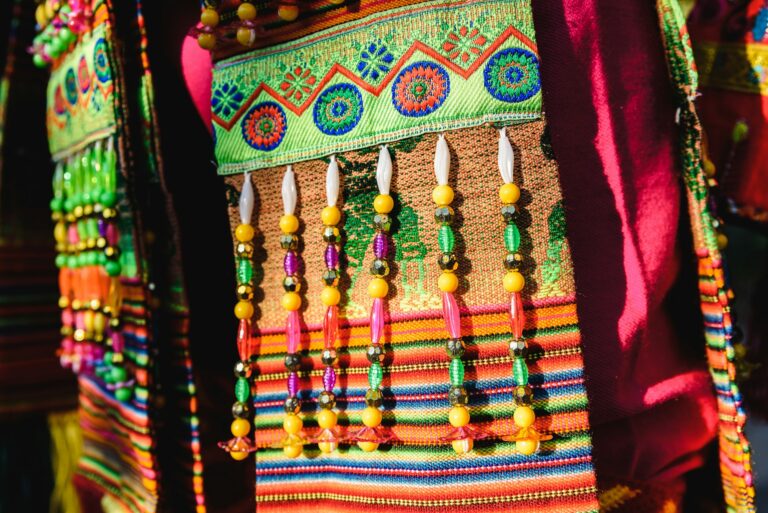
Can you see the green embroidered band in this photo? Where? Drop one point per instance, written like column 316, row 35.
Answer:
column 429, row 67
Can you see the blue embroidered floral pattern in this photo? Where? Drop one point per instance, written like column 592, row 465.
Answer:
column 512, row 75
column 70, row 85
column 375, row 60
column 226, row 100
column 264, row 126
column 338, row 109
column 101, row 61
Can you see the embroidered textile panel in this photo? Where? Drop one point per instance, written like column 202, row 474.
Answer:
column 411, row 70
column 415, row 473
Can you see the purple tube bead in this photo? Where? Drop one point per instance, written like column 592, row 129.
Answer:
column 291, row 263
column 293, row 384
column 329, row 379
column 331, row 256
column 102, row 227
column 380, row 246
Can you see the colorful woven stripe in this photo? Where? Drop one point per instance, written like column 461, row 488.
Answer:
column 416, row 472
column 735, row 464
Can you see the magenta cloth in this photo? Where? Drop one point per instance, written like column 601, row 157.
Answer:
column 611, row 116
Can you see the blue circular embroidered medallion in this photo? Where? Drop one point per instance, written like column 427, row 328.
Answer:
column 338, row 109
column 101, row 61
column 512, row 75
column 70, row 86
column 264, row 126
column 420, row 89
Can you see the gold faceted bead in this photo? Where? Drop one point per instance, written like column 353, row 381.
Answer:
column 90, row 243
column 114, row 322
column 78, row 211
column 66, row 331
column 88, row 210
column 244, row 249
column 110, row 251
column 95, row 304
column 81, row 246
column 109, row 213
column 79, row 335
column 244, row 292
column 63, row 302
column 76, row 304
column 101, row 243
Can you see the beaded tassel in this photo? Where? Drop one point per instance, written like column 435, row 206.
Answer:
column 462, row 436
column 239, row 446
column 526, row 439
column 84, row 210
column 369, row 437
column 328, row 438
column 293, row 442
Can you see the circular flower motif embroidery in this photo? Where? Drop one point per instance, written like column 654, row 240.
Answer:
column 101, row 61
column 338, row 109
column 58, row 101
column 420, row 89
column 83, row 75
column 512, row 75
column 70, row 86
column 264, row 126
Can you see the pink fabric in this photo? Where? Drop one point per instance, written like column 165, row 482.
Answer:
column 611, row 116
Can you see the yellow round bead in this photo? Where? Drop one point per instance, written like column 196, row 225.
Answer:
column 291, row 301
column 289, row 223
column 240, row 427
column 292, row 424
column 448, row 282
column 327, row 447
column 524, row 416
column 40, row 16
column 368, row 446
column 509, row 193
column 722, row 241
column 246, row 36
column 239, row 455
column 60, row 232
column 378, row 287
column 246, row 11
column 330, row 296
column 371, row 416
column 513, row 281
column 458, row 416
column 331, row 215
column 206, row 41
column 293, row 451
column 527, row 446
column 209, row 17
column 463, row 446
column 442, row 195
column 383, row 204
column 243, row 310
column 326, row 419
column 288, row 12
column 244, row 233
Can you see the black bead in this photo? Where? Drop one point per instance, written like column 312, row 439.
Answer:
column 382, row 222
column 523, row 395
column 241, row 410
column 292, row 405
column 292, row 362
column 331, row 234
column 289, row 241
column 518, row 348
column 379, row 267
column 513, row 261
column 448, row 262
column 509, row 213
column 455, row 348
column 444, row 215
column 328, row 357
column 373, row 398
column 331, row 277
column 374, row 353
column 326, row 400
column 458, row 396
column 291, row 284
column 242, row 369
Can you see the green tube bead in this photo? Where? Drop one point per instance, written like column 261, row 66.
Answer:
column 375, row 375
column 242, row 390
column 456, row 372
column 512, row 237
column 244, row 271
column 520, row 372
column 446, row 239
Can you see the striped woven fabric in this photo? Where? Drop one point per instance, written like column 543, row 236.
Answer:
column 417, row 473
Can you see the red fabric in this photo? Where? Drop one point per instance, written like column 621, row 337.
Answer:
column 609, row 106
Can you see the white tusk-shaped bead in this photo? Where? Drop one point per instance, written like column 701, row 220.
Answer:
column 246, row 200
column 506, row 157
column 289, row 191
column 442, row 161
column 384, row 170
column 332, row 182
